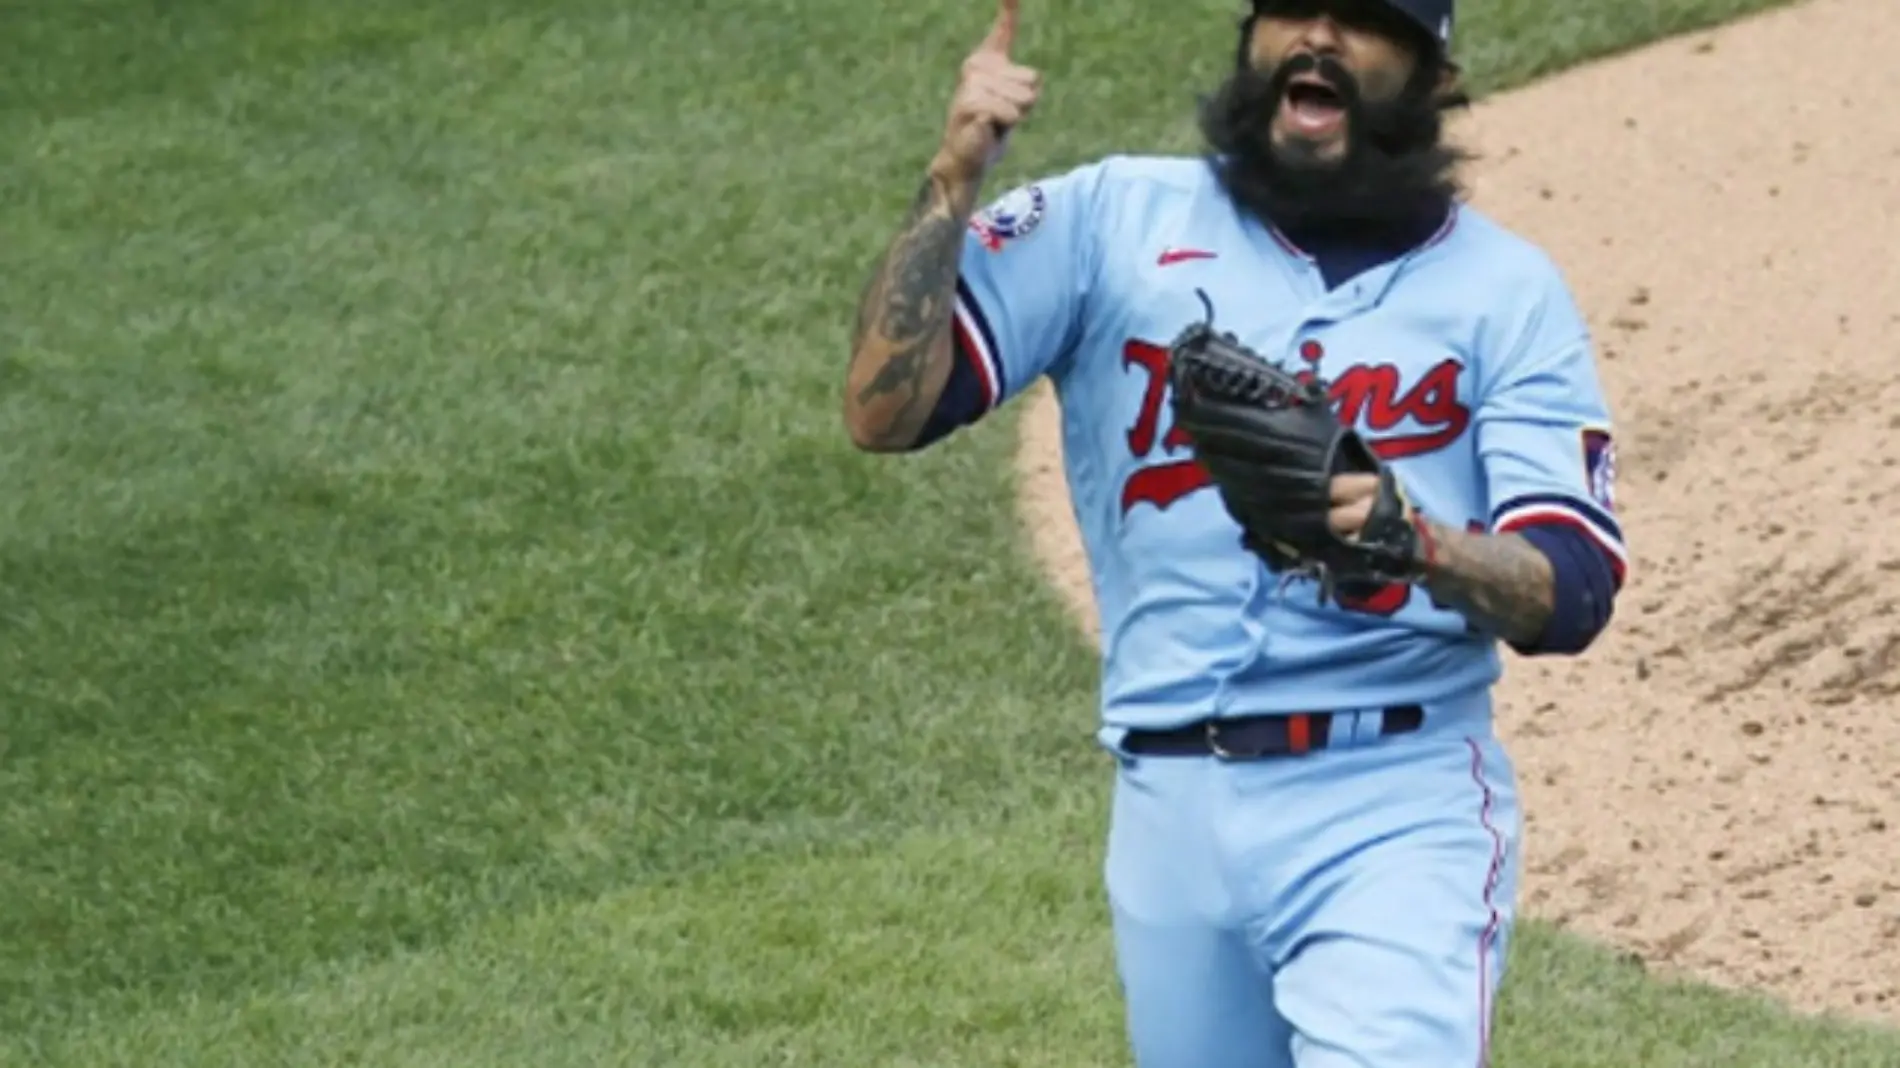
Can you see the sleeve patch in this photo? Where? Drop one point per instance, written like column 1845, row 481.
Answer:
column 1015, row 214
column 1599, row 467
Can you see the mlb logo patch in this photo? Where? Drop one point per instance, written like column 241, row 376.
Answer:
column 1015, row 214
column 1599, row 467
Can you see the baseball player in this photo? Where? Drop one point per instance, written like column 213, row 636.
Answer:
column 1313, row 851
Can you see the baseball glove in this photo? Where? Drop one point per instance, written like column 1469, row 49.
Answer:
column 1271, row 444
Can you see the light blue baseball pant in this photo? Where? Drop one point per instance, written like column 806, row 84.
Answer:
column 1349, row 908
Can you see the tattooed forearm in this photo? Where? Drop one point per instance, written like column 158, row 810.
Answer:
column 901, row 340
column 1499, row 581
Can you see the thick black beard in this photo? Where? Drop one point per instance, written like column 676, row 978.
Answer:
column 1395, row 183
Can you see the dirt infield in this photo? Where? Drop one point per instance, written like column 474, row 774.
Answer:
column 1716, row 786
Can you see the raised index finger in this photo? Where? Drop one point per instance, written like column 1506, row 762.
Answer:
column 1002, row 33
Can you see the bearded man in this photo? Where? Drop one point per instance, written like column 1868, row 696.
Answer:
column 1313, row 852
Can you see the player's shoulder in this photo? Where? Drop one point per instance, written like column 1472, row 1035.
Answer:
column 1154, row 178
column 1102, row 200
column 1517, row 287
column 1481, row 242
column 1184, row 174
column 1124, row 176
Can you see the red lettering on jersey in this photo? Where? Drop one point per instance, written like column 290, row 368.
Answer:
column 1154, row 360
column 1165, row 483
column 1369, row 395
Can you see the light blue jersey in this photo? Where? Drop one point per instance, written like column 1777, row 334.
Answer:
column 1465, row 362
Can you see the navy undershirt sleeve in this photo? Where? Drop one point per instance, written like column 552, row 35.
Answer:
column 960, row 405
column 1585, row 594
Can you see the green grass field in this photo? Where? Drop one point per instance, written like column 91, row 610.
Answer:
column 441, row 619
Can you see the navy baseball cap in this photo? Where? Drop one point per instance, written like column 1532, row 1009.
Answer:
column 1435, row 17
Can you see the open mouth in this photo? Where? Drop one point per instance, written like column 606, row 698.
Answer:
column 1314, row 107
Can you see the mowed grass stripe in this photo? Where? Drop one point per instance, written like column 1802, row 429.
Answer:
column 384, row 549
column 936, row 949
column 421, row 501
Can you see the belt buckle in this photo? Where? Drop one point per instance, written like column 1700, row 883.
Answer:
column 1211, row 729
column 1299, row 739
column 1221, row 752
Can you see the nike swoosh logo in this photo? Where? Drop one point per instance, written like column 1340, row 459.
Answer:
column 1177, row 255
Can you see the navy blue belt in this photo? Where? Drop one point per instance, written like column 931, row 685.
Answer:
column 1258, row 737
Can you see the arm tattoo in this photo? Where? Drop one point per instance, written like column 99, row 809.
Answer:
column 1498, row 581
column 904, row 312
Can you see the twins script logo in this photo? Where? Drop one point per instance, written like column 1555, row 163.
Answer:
column 1400, row 420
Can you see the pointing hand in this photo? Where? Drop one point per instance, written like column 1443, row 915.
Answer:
column 993, row 94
